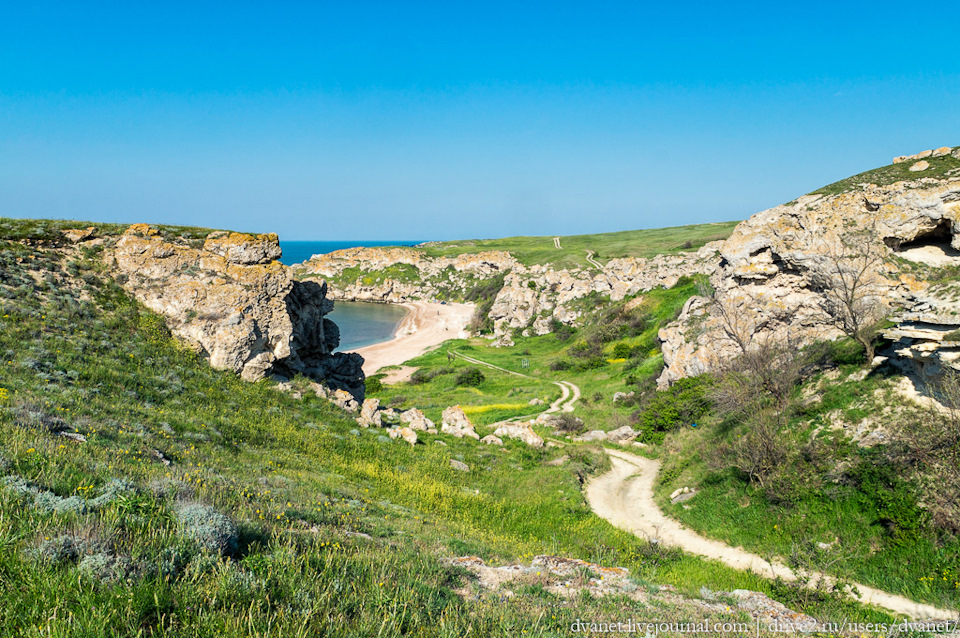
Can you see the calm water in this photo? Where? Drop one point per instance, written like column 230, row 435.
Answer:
column 295, row 252
column 363, row 324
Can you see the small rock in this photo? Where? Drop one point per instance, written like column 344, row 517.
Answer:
column 76, row 235
column 73, row 436
column 416, row 420
column 439, row 442
column 558, row 461
column 535, row 402
column 491, row 440
column 370, row 414
column 593, row 435
column 459, row 465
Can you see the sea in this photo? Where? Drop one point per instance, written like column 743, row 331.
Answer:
column 361, row 324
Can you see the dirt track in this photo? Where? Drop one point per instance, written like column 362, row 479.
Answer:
column 624, row 496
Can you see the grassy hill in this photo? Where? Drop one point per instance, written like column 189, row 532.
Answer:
column 143, row 493
column 606, row 246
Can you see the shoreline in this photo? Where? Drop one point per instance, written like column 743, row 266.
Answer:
column 426, row 325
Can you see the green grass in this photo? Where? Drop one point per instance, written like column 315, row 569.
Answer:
column 297, row 477
column 49, row 230
column 940, row 168
column 836, row 512
column 631, row 243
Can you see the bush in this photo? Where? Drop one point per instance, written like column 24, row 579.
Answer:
column 562, row 331
column 566, row 422
column 560, row 365
column 373, row 385
column 425, row 375
column 682, row 404
column 470, row 377
column 105, row 568
column 208, row 528
column 66, row 548
column 622, row 351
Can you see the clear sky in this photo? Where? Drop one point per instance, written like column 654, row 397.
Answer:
column 440, row 120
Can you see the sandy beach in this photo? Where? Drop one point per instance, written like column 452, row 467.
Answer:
column 427, row 325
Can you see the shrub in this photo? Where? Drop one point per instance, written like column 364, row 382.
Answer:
column 209, row 529
column 105, row 568
column 681, row 404
column 622, row 351
column 560, row 364
column 566, row 422
column 470, row 377
column 562, row 331
column 65, row 548
column 373, row 385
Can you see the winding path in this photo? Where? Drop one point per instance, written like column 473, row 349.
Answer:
column 624, row 496
column 569, row 392
column 556, row 242
column 593, row 262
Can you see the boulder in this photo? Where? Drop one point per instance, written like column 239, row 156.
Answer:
column 592, row 435
column 456, row 423
column 624, row 434
column 404, row 433
column 491, row 439
column 460, row 466
column 370, row 414
column 416, row 420
column 240, row 248
column 76, row 235
column 520, row 432
column 920, row 166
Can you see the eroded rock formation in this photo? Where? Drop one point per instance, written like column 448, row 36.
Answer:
column 232, row 301
column 767, row 274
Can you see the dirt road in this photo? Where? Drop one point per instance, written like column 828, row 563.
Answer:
column 624, row 496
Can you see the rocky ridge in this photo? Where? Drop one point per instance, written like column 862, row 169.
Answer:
column 232, row 301
column 531, row 297
column 767, row 274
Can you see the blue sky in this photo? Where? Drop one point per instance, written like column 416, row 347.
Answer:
column 418, row 120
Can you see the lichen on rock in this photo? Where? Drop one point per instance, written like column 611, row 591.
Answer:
column 237, row 305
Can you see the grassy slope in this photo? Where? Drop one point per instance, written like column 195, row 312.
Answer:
column 295, row 475
column 940, row 167
column 837, row 512
column 507, row 395
column 631, row 243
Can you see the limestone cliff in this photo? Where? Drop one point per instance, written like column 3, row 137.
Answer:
column 767, row 274
column 231, row 300
column 531, row 296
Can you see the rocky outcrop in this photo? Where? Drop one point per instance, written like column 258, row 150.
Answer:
column 520, row 432
column 456, row 423
column 531, row 298
column 767, row 279
column 235, row 304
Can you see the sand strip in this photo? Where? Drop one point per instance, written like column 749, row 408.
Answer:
column 426, row 325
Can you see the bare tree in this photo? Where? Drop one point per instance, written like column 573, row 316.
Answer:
column 737, row 320
column 851, row 284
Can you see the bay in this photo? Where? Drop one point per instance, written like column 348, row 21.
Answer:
column 364, row 324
